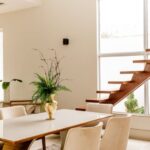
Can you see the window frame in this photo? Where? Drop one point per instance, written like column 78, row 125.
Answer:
column 1, row 31
column 122, row 54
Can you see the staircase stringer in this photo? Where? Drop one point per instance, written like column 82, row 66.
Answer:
column 126, row 89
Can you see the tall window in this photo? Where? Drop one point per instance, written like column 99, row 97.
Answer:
column 123, row 27
column 1, row 63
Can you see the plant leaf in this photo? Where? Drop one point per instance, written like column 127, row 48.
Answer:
column 17, row 80
column 5, row 85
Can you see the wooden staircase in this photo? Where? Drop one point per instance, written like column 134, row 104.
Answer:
column 126, row 87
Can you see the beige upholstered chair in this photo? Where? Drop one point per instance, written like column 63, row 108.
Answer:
column 18, row 111
column 83, row 138
column 102, row 108
column 12, row 112
column 116, row 134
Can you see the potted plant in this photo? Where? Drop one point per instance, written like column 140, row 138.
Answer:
column 48, row 84
column 6, row 85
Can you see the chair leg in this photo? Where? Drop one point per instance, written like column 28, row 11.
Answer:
column 43, row 143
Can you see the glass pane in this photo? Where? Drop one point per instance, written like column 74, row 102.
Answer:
column 110, row 71
column 149, row 90
column 1, row 63
column 121, row 25
column 111, row 66
column 134, row 103
column 148, row 24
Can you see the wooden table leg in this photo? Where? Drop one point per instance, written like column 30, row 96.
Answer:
column 63, row 135
column 1, row 145
column 21, row 146
column 43, row 143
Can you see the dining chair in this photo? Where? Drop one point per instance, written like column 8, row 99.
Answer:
column 12, row 112
column 81, row 138
column 101, row 108
column 116, row 133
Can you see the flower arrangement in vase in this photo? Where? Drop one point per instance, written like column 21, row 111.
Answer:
column 49, row 83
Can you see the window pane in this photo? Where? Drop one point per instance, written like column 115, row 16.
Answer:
column 138, row 96
column 121, row 25
column 111, row 66
column 149, row 24
column 110, row 71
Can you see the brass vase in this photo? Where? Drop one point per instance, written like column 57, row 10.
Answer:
column 50, row 108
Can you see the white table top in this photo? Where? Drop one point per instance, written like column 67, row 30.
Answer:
column 34, row 126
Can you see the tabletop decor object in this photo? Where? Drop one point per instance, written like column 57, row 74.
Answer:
column 49, row 83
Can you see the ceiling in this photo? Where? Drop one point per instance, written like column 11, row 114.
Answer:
column 14, row 5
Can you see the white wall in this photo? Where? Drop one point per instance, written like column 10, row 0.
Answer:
column 43, row 28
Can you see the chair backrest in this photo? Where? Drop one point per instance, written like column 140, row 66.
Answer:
column 116, row 133
column 12, row 112
column 102, row 108
column 81, row 138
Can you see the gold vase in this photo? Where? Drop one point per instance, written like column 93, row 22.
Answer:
column 50, row 108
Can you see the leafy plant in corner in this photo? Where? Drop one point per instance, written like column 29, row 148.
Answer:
column 132, row 105
column 5, row 84
column 50, row 82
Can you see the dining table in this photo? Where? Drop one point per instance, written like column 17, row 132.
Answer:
column 18, row 133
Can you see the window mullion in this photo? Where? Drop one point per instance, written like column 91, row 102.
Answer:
column 145, row 21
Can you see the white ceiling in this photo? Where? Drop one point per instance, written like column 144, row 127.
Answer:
column 14, row 5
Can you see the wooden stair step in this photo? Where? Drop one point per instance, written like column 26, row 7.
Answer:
column 95, row 100
column 142, row 61
column 147, row 50
column 131, row 72
column 119, row 82
column 107, row 92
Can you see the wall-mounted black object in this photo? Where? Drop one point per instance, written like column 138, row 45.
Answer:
column 65, row 41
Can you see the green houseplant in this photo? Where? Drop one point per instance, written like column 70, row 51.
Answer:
column 6, row 85
column 48, row 84
column 132, row 105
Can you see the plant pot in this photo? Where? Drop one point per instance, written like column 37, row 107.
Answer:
column 50, row 108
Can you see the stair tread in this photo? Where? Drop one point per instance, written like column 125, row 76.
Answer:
column 120, row 82
column 141, row 61
column 95, row 100
column 147, row 50
column 107, row 91
column 131, row 72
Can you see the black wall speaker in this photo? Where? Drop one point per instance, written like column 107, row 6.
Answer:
column 65, row 41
